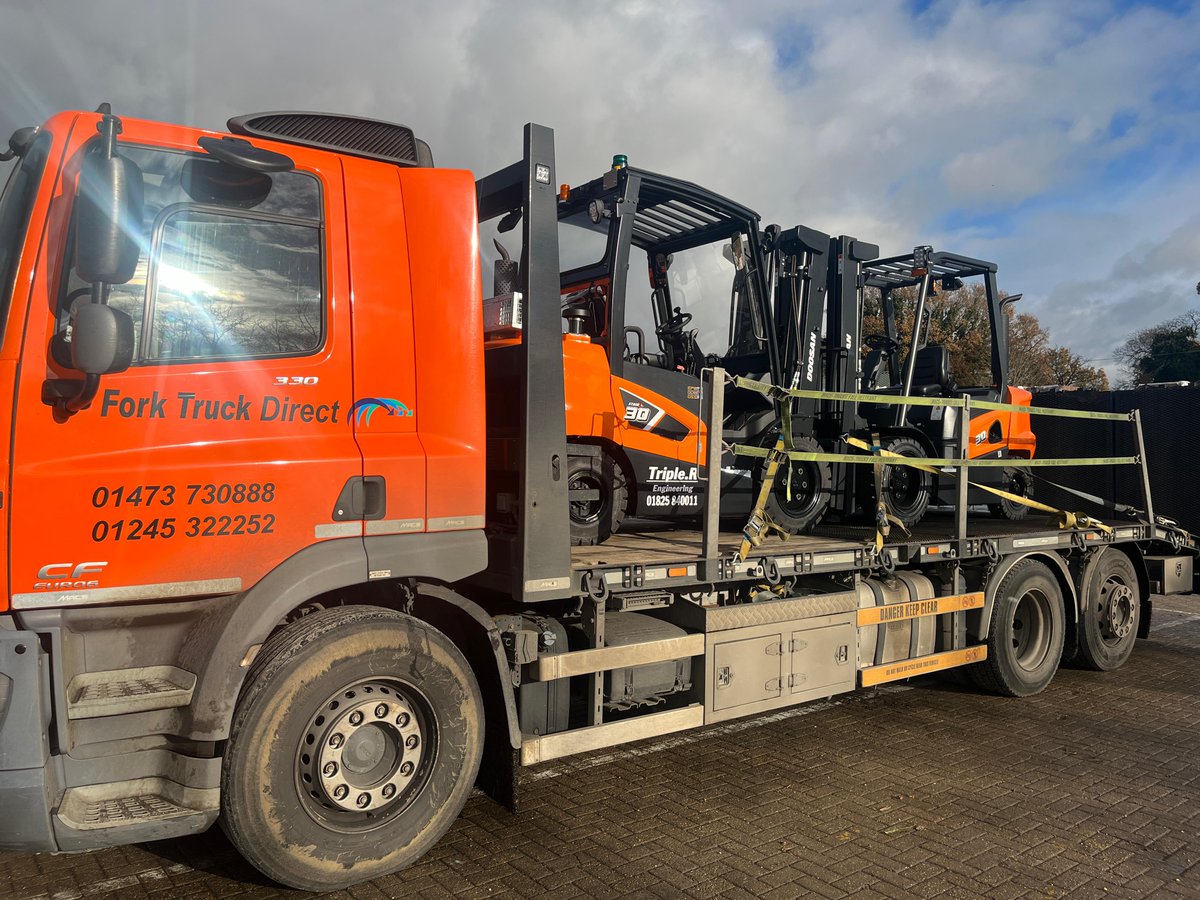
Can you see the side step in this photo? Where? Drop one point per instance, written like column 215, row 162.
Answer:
column 144, row 809
column 120, row 691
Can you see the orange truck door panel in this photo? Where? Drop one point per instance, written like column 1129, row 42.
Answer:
column 386, row 414
column 223, row 450
column 443, row 258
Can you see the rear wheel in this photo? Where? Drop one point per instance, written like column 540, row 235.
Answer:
column 1111, row 605
column 800, row 493
column 352, row 750
column 597, row 506
column 1025, row 640
column 906, row 490
column 1018, row 482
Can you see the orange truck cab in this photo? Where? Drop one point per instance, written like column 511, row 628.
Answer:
column 221, row 400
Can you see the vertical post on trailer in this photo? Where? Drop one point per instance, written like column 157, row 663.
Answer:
column 964, row 445
column 715, row 414
column 1136, row 415
column 957, row 639
column 593, row 626
column 526, row 407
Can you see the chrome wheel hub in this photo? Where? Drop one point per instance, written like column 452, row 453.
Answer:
column 363, row 750
column 1116, row 610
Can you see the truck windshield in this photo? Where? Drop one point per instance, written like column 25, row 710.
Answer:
column 16, row 203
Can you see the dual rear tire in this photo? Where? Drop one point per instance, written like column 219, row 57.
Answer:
column 1027, row 632
column 1025, row 637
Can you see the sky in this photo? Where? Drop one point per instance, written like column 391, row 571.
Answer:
column 1059, row 139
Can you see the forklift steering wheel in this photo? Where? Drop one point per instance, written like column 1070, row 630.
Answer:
column 881, row 342
column 674, row 325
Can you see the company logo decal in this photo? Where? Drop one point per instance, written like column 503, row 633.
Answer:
column 56, row 576
column 362, row 410
column 642, row 414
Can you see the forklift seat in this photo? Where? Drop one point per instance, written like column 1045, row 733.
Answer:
column 874, row 367
column 931, row 377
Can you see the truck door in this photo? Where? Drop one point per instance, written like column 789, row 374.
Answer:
column 224, row 448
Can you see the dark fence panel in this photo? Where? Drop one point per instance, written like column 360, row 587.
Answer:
column 1171, row 427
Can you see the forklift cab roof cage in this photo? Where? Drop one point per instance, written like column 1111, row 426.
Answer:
column 922, row 268
column 671, row 213
column 898, row 271
column 674, row 214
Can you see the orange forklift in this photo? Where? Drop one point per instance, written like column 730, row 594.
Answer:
column 668, row 280
column 780, row 306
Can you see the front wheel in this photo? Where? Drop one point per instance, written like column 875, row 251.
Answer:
column 353, row 748
column 596, row 497
column 800, row 493
column 1019, row 483
column 1025, row 639
column 906, row 490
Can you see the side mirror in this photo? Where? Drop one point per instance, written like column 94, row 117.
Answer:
column 101, row 339
column 108, row 219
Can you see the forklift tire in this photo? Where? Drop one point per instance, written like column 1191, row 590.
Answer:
column 906, row 491
column 1025, row 639
column 1016, row 481
column 594, row 521
column 354, row 746
column 801, row 491
column 1109, row 622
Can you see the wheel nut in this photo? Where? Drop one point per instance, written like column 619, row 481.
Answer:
column 363, row 801
column 403, row 719
column 340, row 792
column 356, row 718
column 330, row 769
column 405, row 770
column 412, row 741
column 336, row 741
column 389, row 791
column 381, row 711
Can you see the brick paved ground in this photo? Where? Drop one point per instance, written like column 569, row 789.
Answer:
column 1091, row 789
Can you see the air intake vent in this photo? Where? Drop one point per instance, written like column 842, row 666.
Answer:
column 343, row 134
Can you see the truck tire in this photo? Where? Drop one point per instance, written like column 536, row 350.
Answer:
column 594, row 521
column 1025, row 639
column 1016, row 481
column 800, row 504
column 354, row 746
column 1109, row 621
column 906, row 490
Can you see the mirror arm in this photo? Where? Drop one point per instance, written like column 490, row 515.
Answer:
column 68, row 406
column 81, row 397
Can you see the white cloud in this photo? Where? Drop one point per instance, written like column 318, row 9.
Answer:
column 895, row 127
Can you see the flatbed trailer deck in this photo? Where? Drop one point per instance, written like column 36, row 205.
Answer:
column 662, row 556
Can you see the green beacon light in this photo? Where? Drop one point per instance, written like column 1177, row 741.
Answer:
column 620, row 161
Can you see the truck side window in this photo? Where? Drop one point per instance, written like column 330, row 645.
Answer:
column 227, row 271
column 226, row 286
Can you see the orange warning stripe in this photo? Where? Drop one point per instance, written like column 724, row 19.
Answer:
column 921, row 665
column 898, row 612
